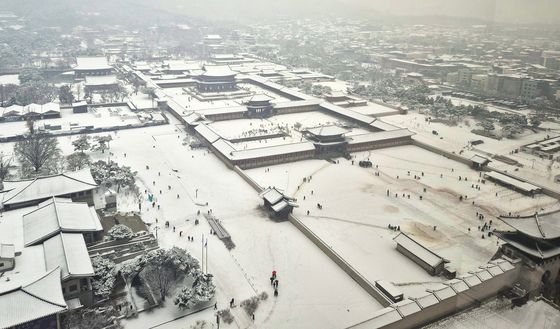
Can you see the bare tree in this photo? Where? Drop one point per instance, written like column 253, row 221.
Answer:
column 160, row 279
column 5, row 163
column 38, row 154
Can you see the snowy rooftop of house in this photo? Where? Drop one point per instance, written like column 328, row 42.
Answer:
column 59, row 215
column 7, row 251
column 272, row 195
column 102, row 80
column 479, row 159
column 92, row 63
column 17, row 110
column 36, row 299
column 47, row 186
column 326, row 131
column 208, row 133
column 512, row 181
column 426, row 255
column 271, row 151
column 69, row 251
column 538, row 226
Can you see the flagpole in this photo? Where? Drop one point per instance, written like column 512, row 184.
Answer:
column 202, row 250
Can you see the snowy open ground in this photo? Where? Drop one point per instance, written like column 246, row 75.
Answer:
column 314, row 292
column 258, row 127
column 356, row 210
column 455, row 139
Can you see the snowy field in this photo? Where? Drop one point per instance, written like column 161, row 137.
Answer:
column 314, row 291
column 354, row 219
column 255, row 127
column 456, row 138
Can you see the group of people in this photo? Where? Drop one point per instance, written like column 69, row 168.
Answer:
column 274, row 282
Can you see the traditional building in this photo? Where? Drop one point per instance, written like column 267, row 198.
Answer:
column 328, row 140
column 92, row 66
column 259, row 106
column 35, row 303
column 536, row 241
column 215, row 79
column 279, row 205
column 77, row 185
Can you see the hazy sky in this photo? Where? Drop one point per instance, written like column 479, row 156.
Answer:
column 532, row 11
column 512, row 11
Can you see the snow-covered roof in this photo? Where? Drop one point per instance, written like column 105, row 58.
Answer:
column 102, row 80
column 92, row 63
column 442, row 292
column 537, row 226
column 38, row 298
column 59, row 215
column 260, row 98
column 406, row 307
column 280, row 206
column 272, row 150
column 68, row 250
column 207, row 133
column 218, row 71
column 347, row 113
column 479, row 160
column 423, row 253
column 383, row 317
column 470, row 279
column 47, row 186
column 379, row 136
column 327, row 131
column 7, row 251
column 512, row 181
column 426, row 300
column 272, row 195
column 457, row 285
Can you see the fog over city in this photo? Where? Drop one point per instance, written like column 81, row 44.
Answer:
column 364, row 164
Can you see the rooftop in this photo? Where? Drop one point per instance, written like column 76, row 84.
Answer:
column 36, row 299
column 46, row 186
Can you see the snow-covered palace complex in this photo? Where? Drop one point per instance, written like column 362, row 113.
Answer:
column 230, row 191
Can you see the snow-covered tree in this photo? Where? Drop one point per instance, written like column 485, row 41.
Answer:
column 110, row 173
column 120, row 232
column 77, row 161
column 103, row 281
column 82, row 143
column 102, row 143
column 202, row 290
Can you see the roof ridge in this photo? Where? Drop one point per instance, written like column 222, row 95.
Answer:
column 78, row 180
column 21, row 190
column 42, row 299
column 56, row 212
column 64, row 252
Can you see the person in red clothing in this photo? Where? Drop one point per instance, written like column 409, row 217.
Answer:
column 274, row 274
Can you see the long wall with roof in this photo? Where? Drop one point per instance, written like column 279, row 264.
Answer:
column 451, row 297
